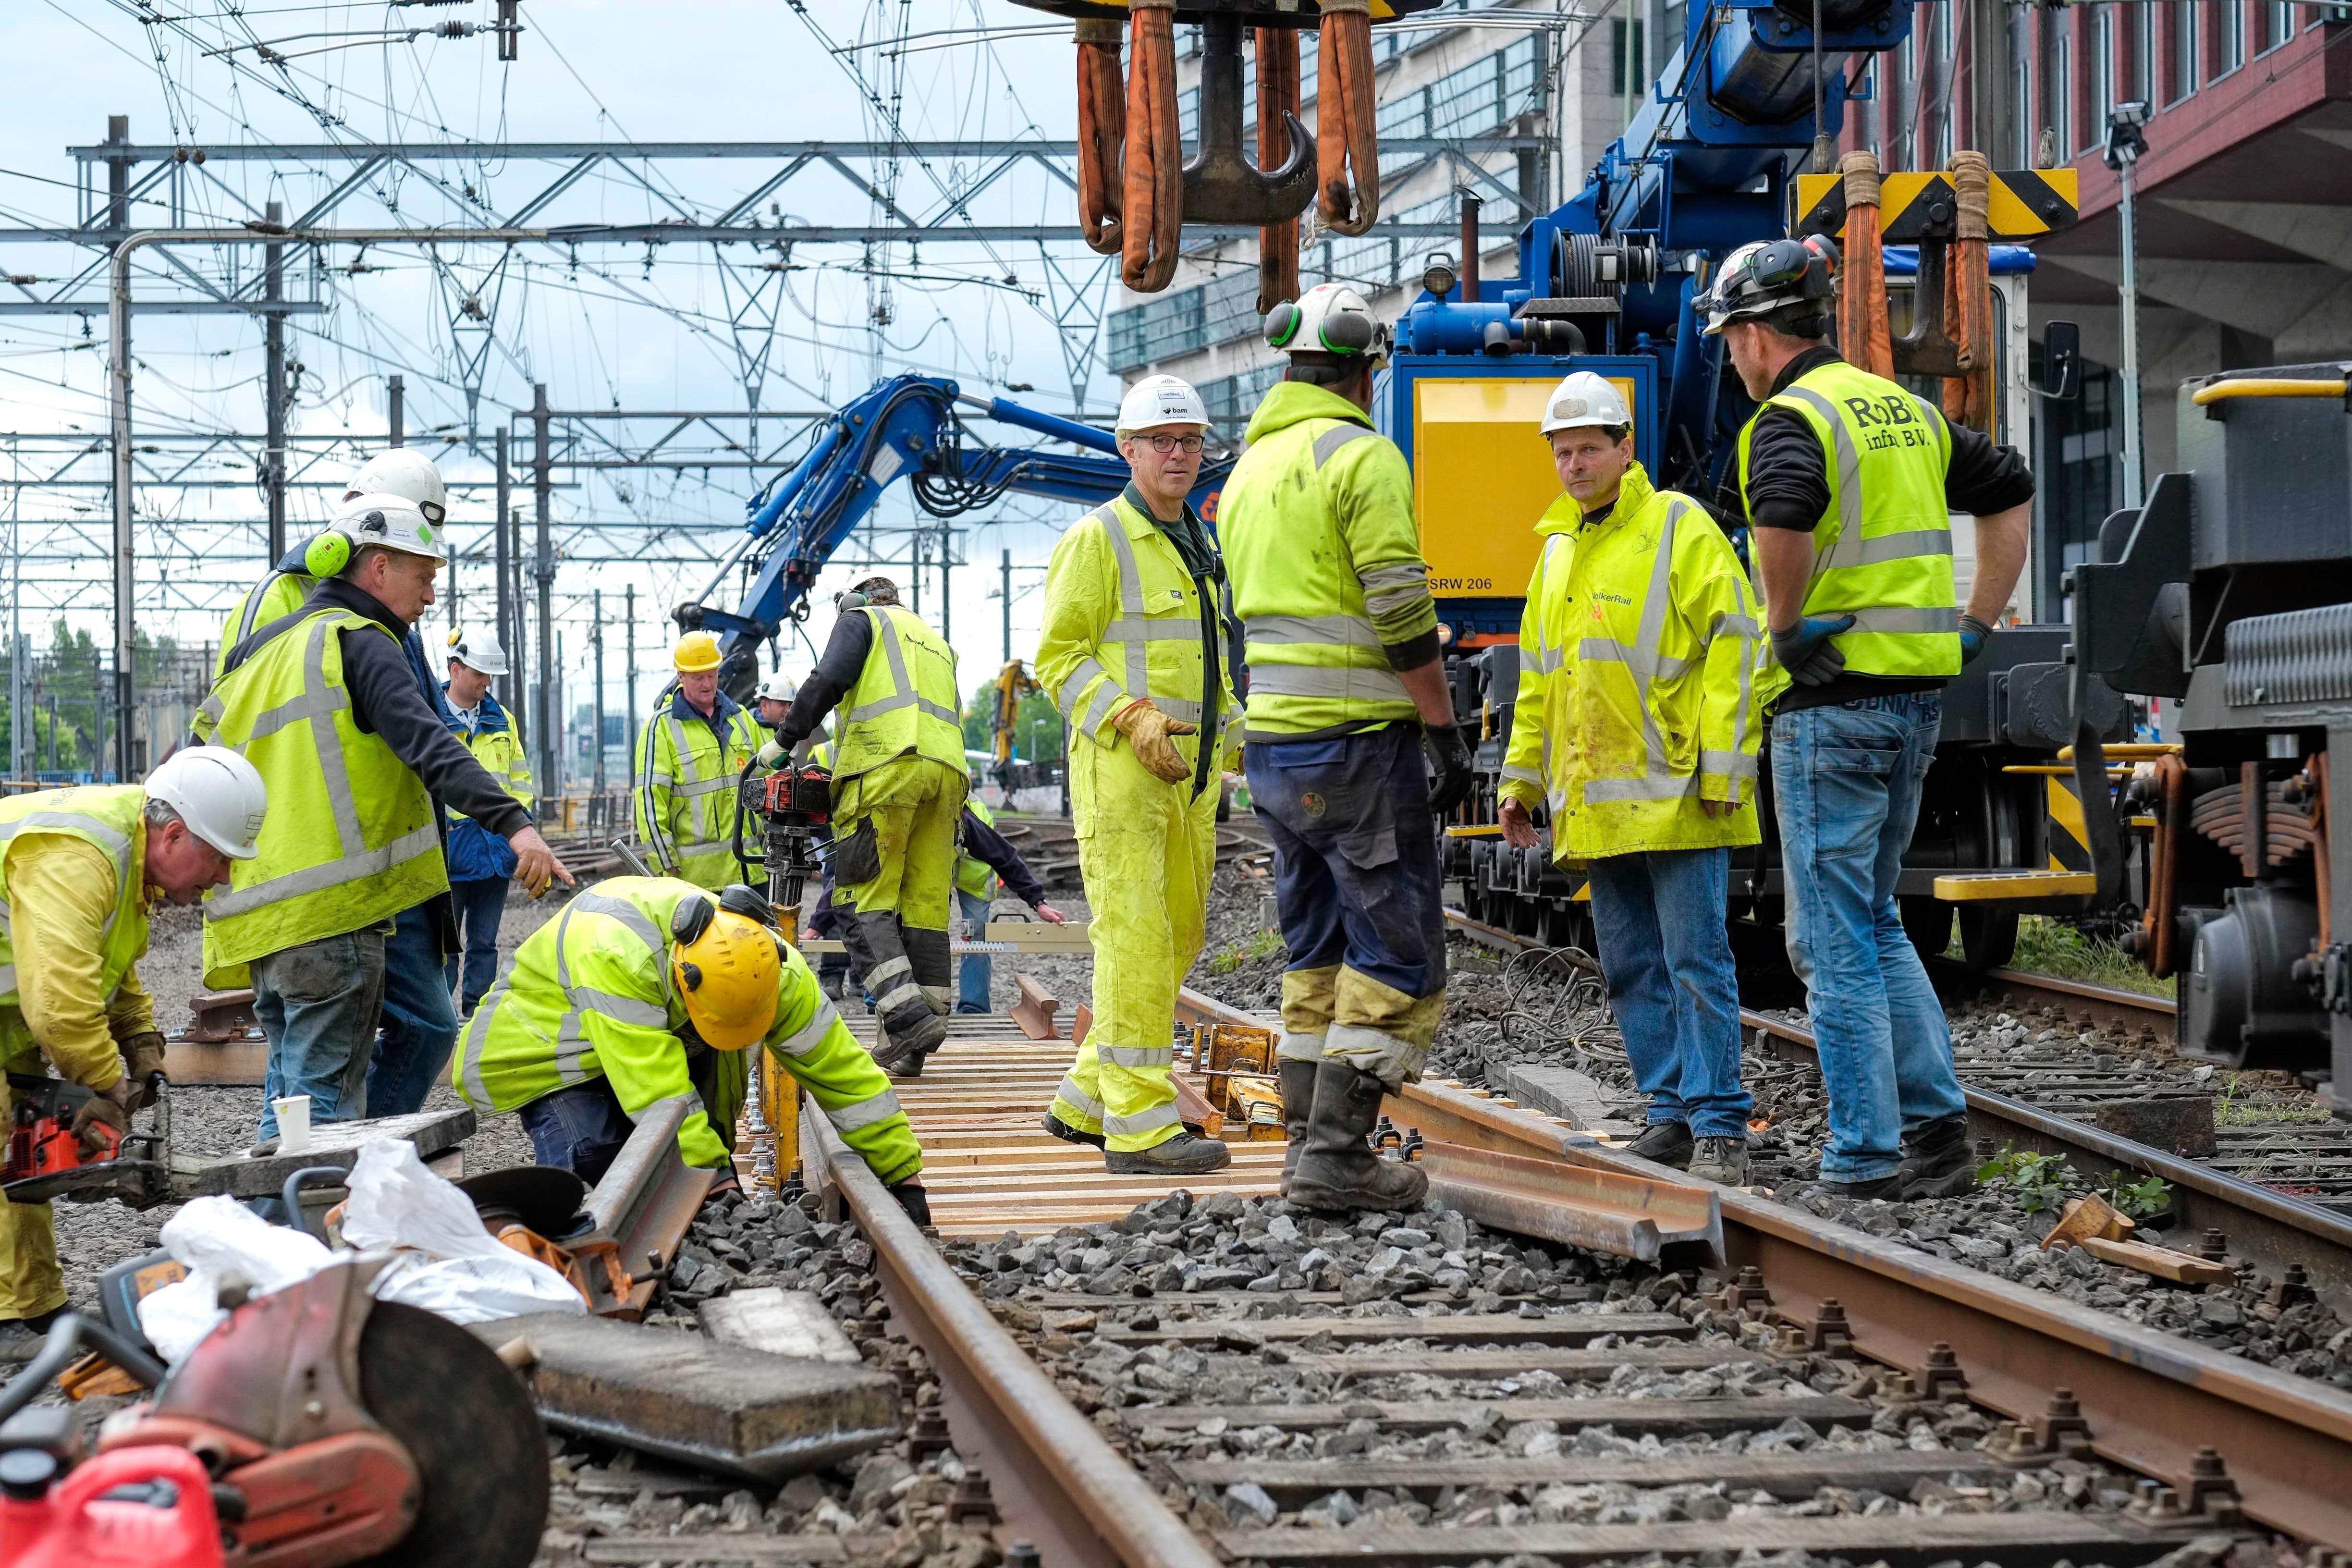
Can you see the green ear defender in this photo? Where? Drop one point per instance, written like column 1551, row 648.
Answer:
column 1282, row 324
column 327, row 555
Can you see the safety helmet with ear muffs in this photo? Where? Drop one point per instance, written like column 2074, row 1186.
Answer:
column 1329, row 318
column 742, row 898
column 327, row 555
column 871, row 591
column 726, row 966
column 1769, row 275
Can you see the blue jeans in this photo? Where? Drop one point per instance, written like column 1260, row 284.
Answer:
column 579, row 1129
column 973, row 976
column 1667, row 955
column 318, row 1005
column 419, row 1024
column 1846, row 782
column 481, row 904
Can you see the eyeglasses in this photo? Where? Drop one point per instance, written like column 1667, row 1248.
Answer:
column 1164, row 444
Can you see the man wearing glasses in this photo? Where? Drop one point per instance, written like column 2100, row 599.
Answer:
column 1134, row 651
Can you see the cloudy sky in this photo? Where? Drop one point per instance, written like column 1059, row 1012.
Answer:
column 620, row 326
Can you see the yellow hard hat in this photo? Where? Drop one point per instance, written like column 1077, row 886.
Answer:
column 726, row 971
column 696, row 651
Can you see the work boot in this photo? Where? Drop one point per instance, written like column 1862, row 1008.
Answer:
column 1667, row 1142
column 1182, row 1155
column 1338, row 1169
column 1887, row 1187
column 1297, row 1081
column 1938, row 1163
column 1723, row 1159
column 21, row 1338
column 893, row 1050
column 1069, row 1135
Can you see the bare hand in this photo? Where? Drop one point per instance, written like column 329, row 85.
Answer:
column 1719, row 807
column 536, row 867
column 1052, row 916
column 1518, row 828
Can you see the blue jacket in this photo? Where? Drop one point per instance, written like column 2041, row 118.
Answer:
column 475, row 853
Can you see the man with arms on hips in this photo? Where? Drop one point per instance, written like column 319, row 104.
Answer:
column 1636, row 725
column 1849, row 483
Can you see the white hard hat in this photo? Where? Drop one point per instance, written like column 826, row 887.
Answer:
column 1159, row 400
column 478, row 650
column 405, row 472
column 217, row 794
column 1329, row 319
column 1584, row 399
column 779, row 687
column 392, row 521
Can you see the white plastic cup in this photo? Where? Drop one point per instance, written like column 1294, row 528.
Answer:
column 293, row 1123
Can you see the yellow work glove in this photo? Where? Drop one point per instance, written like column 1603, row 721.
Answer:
column 1147, row 729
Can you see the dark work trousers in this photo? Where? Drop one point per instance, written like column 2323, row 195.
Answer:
column 1357, row 883
column 579, row 1129
column 481, row 904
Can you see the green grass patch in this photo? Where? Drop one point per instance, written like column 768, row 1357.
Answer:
column 2238, row 1107
column 1234, row 954
column 2050, row 947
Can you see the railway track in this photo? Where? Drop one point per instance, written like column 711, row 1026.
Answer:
column 1818, row 1389
column 2047, row 1111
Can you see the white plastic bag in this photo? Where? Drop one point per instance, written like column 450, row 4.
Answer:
column 221, row 1242
column 456, row 1269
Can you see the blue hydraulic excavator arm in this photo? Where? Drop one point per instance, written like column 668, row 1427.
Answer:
column 909, row 428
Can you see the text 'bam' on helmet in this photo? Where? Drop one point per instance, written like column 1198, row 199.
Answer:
column 1158, row 400
column 1329, row 319
column 402, row 471
column 1584, row 399
column 696, row 652
column 1768, row 275
column 478, row 650
column 389, row 522
column 217, row 794
column 726, row 966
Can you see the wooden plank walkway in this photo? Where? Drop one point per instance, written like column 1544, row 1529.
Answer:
column 989, row 1168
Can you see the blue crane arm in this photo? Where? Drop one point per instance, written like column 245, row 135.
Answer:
column 907, row 427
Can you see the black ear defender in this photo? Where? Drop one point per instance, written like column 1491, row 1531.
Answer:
column 741, row 899
column 692, row 975
column 689, row 920
column 1282, row 324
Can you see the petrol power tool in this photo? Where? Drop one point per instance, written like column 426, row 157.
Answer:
column 46, row 1159
column 327, row 1428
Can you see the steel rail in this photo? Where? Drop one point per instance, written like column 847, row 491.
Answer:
column 2156, row 1404
column 2264, row 1227
column 1055, row 1478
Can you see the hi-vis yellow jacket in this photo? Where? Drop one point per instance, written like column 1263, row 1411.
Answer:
column 1638, row 658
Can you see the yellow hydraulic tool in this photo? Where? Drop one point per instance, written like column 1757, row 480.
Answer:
column 1013, row 683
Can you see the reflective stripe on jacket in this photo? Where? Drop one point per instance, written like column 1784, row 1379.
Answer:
column 1883, row 551
column 108, row 816
column 590, row 994
column 1638, row 655
column 905, row 699
column 477, row 854
column 685, row 788
column 1320, row 536
column 974, row 874
column 279, row 593
column 350, row 839
column 1123, row 619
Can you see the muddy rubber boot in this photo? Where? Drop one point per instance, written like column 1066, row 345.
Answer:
column 1338, row 1169
column 1297, row 1083
column 1182, row 1155
column 901, row 1052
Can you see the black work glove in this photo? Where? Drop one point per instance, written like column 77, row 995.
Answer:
column 1449, row 761
column 99, row 1110
column 1974, row 635
column 1806, row 652
column 914, row 1200
column 143, row 1064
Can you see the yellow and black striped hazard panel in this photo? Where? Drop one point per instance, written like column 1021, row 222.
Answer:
column 2025, row 205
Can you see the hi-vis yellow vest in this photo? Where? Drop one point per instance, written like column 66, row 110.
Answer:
column 904, row 701
column 350, row 839
column 106, row 816
column 1883, row 552
column 974, row 874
